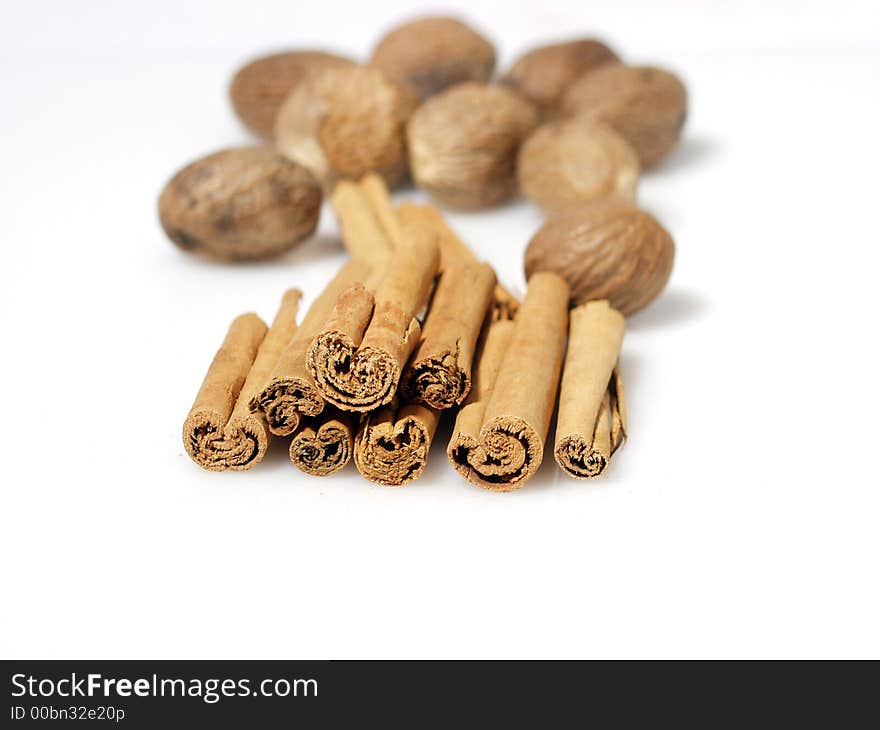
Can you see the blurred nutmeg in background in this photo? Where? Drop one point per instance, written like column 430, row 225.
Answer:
column 428, row 55
column 463, row 143
column 260, row 87
column 544, row 73
column 646, row 106
column 576, row 161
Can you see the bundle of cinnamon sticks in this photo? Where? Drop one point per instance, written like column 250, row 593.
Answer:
column 413, row 325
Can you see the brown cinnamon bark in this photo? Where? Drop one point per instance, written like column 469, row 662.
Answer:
column 439, row 374
column 324, row 445
column 369, row 228
column 591, row 424
column 498, row 441
column 393, row 443
column 453, row 250
column 289, row 393
column 220, row 432
column 357, row 360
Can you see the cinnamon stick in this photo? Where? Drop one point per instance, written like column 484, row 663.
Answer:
column 289, row 392
column 453, row 250
column 439, row 374
column 366, row 220
column 220, row 432
column 392, row 444
column 323, row 445
column 357, row 360
column 591, row 424
column 498, row 440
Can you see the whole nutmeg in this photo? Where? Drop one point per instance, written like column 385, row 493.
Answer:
column 543, row 74
column 576, row 161
column 346, row 122
column 646, row 106
column 610, row 251
column 431, row 54
column 238, row 204
column 260, row 87
column 463, row 143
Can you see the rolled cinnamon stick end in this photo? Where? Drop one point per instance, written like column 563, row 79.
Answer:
column 591, row 424
column 392, row 445
column 440, row 372
column 289, row 393
column 324, row 445
column 211, row 437
column 357, row 360
column 498, row 444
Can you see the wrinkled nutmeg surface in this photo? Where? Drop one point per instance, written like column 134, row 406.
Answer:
column 646, row 106
column 576, row 161
column 463, row 143
column 245, row 203
column 429, row 55
column 543, row 74
column 260, row 87
column 346, row 122
column 610, row 251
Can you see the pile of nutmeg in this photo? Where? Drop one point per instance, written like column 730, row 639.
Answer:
column 568, row 125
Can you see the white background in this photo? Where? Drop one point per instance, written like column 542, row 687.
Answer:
column 740, row 520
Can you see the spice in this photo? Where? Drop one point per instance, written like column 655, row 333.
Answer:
column 430, row 54
column 357, row 359
column 239, row 204
column 392, row 445
column 288, row 393
column 260, row 87
column 543, row 74
column 463, row 144
column 644, row 105
column 220, row 432
column 498, row 440
column 591, row 424
column 323, row 445
column 610, row 251
column 576, row 161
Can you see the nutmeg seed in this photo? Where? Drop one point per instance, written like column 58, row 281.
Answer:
column 346, row 122
column 259, row 88
column 543, row 74
column 237, row 204
column 430, row 54
column 646, row 106
column 576, row 161
column 610, row 251
column 463, row 143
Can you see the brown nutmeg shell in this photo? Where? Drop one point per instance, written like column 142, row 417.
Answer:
column 429, row 55
column 543, row 74
column 240, row 204
column 259, row 87
column 576, row 161
column 610, row 251
column 463, row 144
column 345, row 123
column 646, row 106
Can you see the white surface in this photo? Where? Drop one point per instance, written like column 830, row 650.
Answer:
column 740, row 520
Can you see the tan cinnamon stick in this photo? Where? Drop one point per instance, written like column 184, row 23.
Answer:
column 323, row 445
column 220, row 432
column 357, row 360
column 591, row 424
column 453, row 250
column 439, row 374
column 498, row 441
column 393, row 443
column 369, row 227
column 289, row 392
